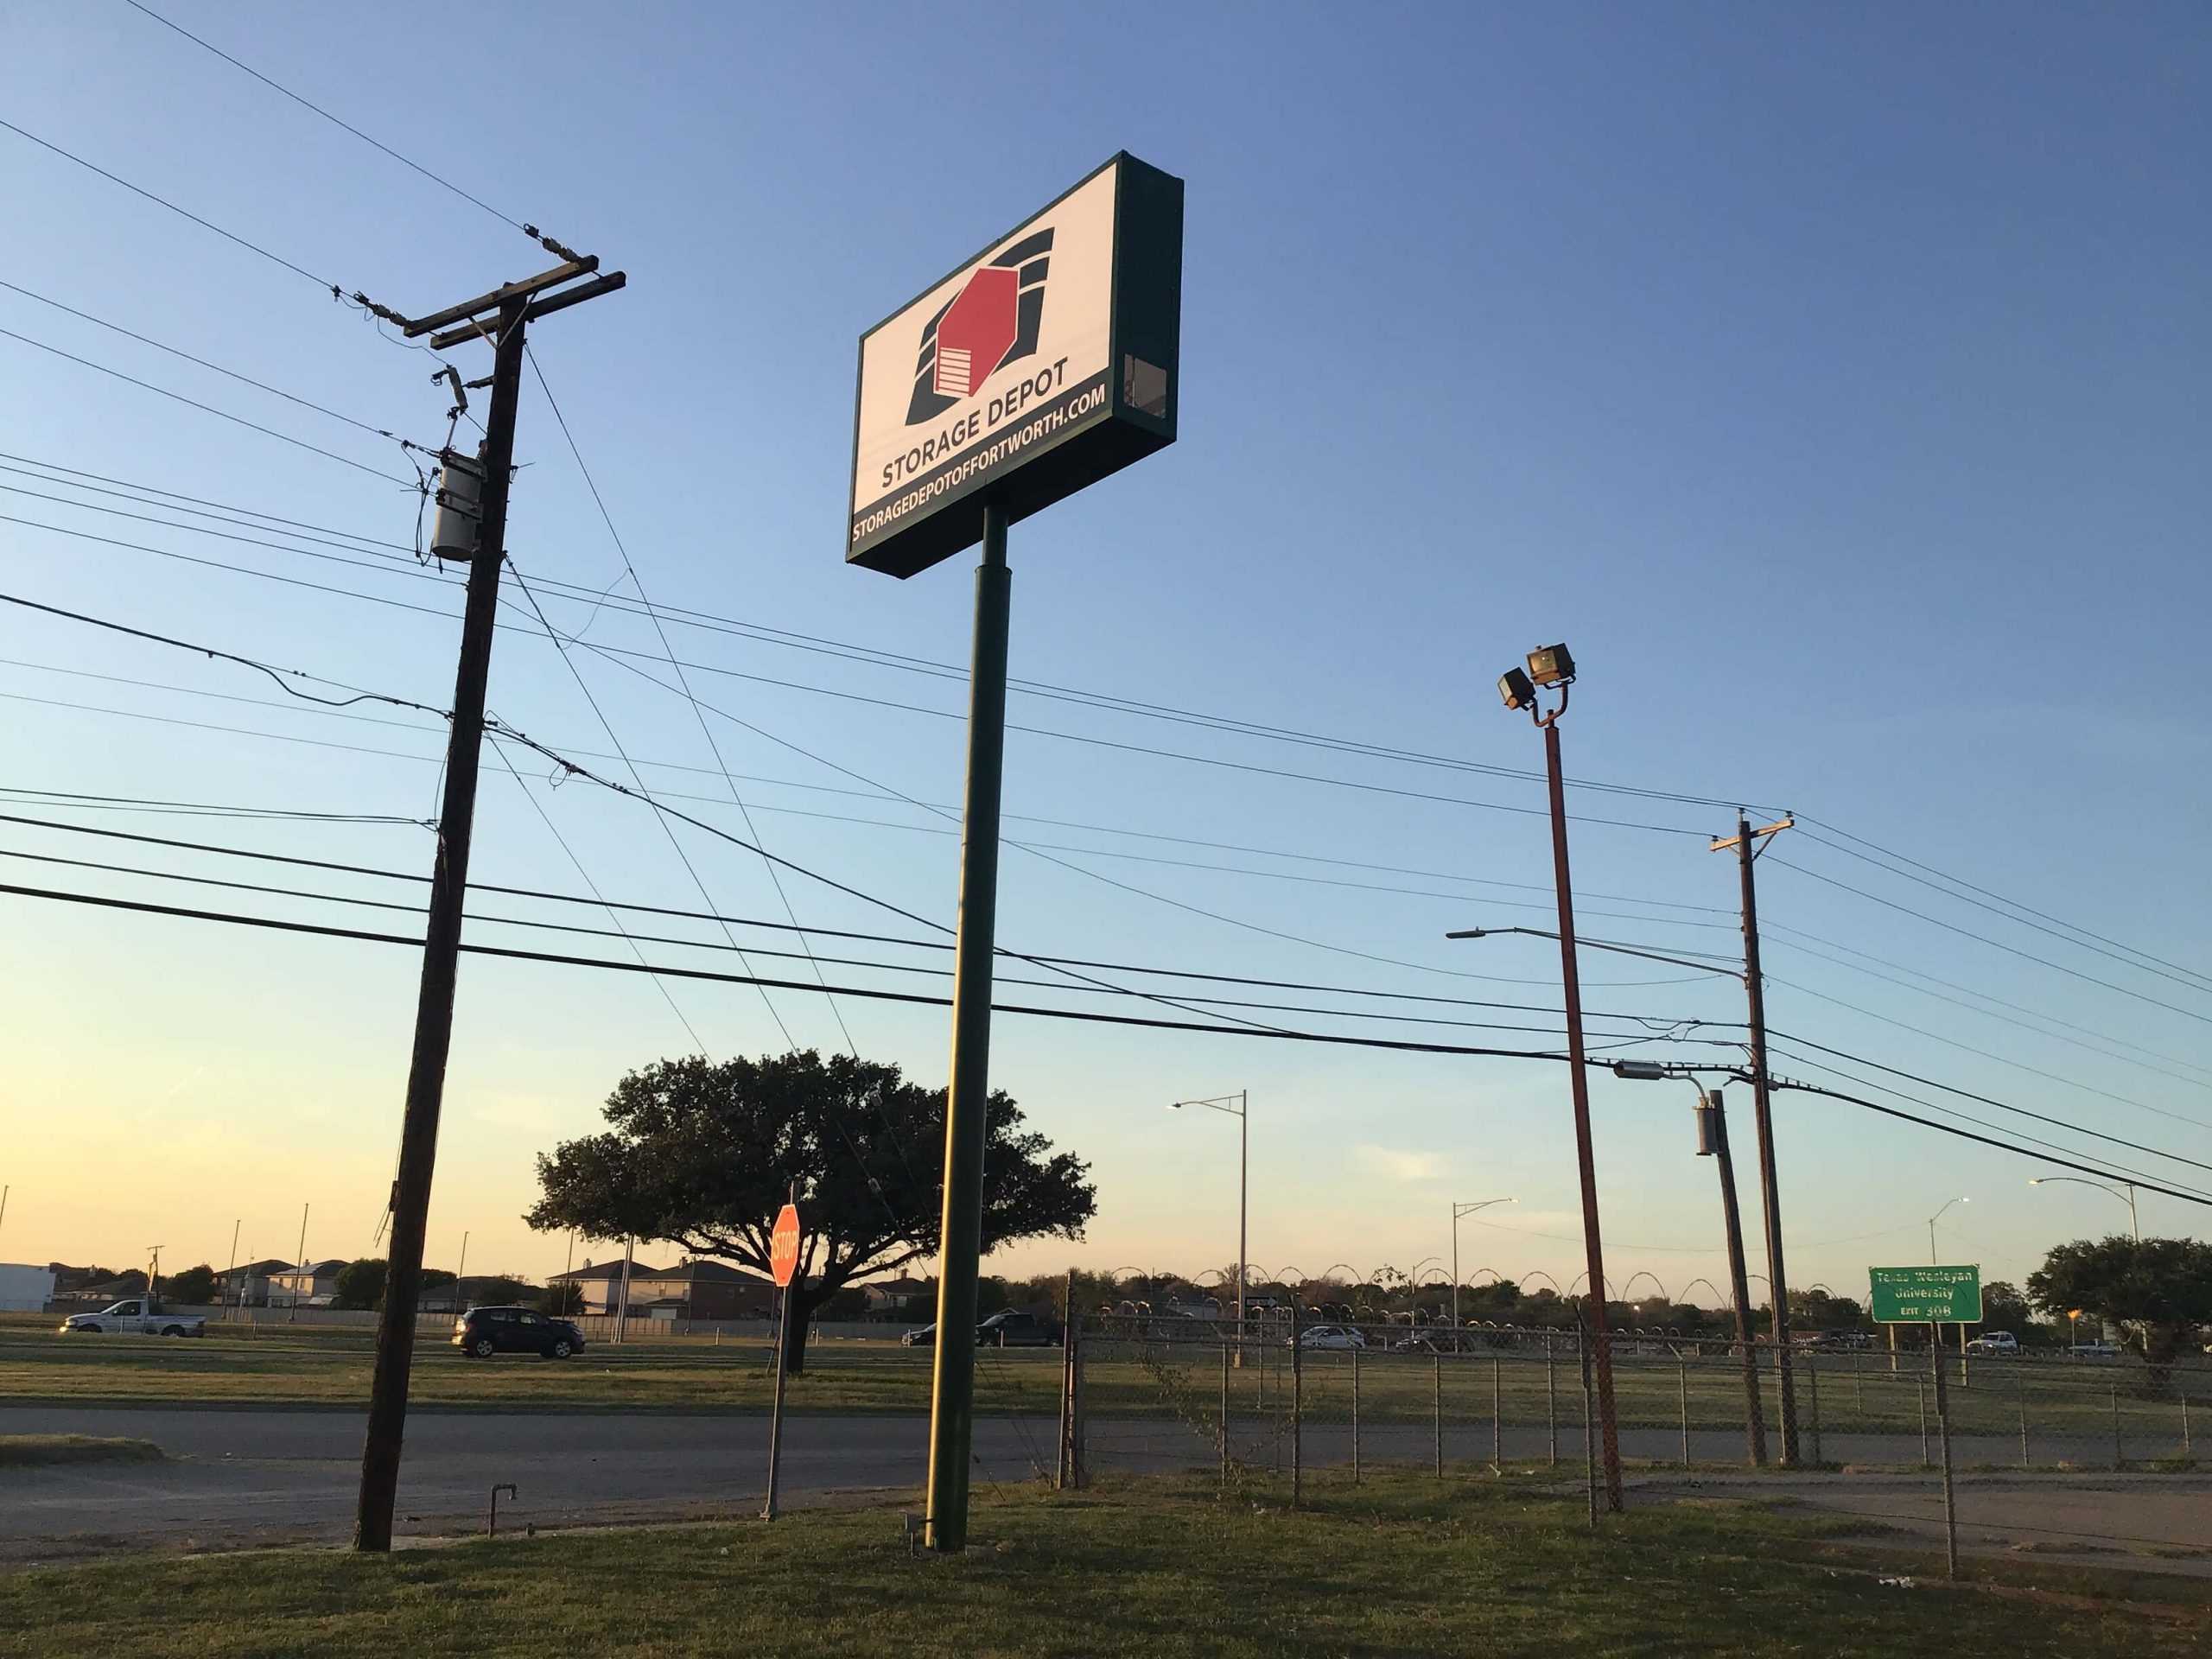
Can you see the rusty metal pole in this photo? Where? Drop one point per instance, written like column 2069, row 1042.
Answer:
column 1585, row 1159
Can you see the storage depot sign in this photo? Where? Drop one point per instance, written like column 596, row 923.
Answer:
column 1041, row 366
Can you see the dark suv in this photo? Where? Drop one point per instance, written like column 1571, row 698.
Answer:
column 484, row 1331
column 1015, row 1329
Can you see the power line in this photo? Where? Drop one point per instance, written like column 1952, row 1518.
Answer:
column 939, row 807
column 318, row 109
column 279, row 674
column 358, row 300
column 935, row 945
column 1775, row 929
column 633, row 939
column 2115, row 1172
column 874, row 657
column 553, row 829
column 775, row 877
column 244, row 379
column 1088, row 1016
column 61, row 797
column 1983, row 938
column 2071, row 927
column 1991, row 1054
column 619, row 654
column 126, row 486
column 193, row 402
column 162, row 201
column 1986, row 1100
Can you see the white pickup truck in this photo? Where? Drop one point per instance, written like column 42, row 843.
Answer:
column 136, row 1316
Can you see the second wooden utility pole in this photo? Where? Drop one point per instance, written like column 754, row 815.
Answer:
column 516, row 304
column 1745, row 841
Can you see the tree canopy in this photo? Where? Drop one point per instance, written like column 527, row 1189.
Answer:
column 192, row 1287
column 2160, row 1288
column 360, row 1284
column 702, row 1153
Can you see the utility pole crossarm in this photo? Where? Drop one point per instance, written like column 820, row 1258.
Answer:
column 1722, row 843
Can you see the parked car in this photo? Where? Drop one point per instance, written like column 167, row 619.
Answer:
column 2093, row 1350
column 923, row 1338
column 1328, row 1337
column 483, row 1331
column 1015, row 1329
column 140, row 1316
column 1994, row 1342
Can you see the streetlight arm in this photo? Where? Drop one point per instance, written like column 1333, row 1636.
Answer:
column 1598, row 944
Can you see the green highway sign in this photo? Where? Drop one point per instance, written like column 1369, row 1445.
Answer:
column 1926, row 1295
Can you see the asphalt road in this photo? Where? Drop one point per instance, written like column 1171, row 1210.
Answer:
column 242, row 1477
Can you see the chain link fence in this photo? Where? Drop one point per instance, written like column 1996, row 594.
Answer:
column 1942, row 1439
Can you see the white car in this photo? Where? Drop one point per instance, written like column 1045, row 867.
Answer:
column 1337, row 1337
column 2093, row 1350
column 137, row 1316
column 1994, row 1342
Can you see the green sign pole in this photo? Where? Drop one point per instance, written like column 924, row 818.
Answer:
column 953, row 1388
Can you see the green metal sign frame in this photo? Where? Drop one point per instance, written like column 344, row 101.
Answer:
column 1926, row 1295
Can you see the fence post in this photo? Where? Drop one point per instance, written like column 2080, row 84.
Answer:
column 1355, row 1416
column 1812, row 1371
column 1589, row 1432
column 1943, row 1430
column 1551, row 1399
column 2185, row 1451
column 1224, row 1412
column 1436, row 1368
column 1063, row 1469
column 1858, row 1388
column 1297, row 1401
column 2020, row 1398
column 2119, row 1452
column 1497, row 1413
column 1683, row 1366
column 1924, row 1425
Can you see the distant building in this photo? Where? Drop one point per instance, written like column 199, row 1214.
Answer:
column 247, row 1286
column 691, row 1290
column 310, row 1284
column 893, row 1298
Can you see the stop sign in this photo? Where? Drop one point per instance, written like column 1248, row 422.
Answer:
column 782, row 1246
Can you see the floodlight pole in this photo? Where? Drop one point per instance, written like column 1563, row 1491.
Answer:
column 1570, row 986
column 967, row 1100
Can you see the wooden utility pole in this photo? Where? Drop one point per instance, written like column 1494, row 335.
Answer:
column 515, row 305
column 1746, row 841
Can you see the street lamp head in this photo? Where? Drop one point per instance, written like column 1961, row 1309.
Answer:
column 1516, row 688
column 1551, row 665
column 1639, row 1070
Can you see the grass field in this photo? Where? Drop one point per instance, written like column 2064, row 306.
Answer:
column 45, row 1451
column 1166, row 1569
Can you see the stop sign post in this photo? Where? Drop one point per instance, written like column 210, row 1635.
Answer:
column 783, row 1262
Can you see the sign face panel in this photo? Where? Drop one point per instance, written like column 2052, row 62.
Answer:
column 1926, row 1295
column 1048, row 361
column 782, row 1246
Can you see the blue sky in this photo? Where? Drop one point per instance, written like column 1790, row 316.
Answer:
column 1832, row 382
